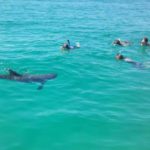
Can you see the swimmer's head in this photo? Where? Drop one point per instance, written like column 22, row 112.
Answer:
column 64, row 45
column 145, row 39
column 117, row 42
column 119, row 57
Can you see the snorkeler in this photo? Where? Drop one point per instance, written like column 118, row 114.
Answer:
column 67, row 46
column 121, row 43
column 144, row 42
column 128, row 60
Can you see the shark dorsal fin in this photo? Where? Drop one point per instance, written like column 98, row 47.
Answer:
column 14, row 73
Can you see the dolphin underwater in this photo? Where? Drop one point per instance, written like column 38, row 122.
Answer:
column 27, row 78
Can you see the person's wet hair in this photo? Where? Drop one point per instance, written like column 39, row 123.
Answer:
column 117, row 42
column 146, row 39
column 119, row 56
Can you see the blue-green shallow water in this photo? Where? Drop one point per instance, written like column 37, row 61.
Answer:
column 96, row 102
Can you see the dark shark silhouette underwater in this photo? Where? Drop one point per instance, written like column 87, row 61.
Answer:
column 28, row 78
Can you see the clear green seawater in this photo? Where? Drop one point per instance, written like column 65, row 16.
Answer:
column 96, row 102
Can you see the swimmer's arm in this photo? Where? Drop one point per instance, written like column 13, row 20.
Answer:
column 128, row 60
column 126, row 43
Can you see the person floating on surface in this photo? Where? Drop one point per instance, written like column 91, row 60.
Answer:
column 144, row 42
column 121, row 43
column 128, row 60
column 67, row 46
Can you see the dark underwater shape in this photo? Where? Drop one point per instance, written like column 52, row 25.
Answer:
column 27, row 78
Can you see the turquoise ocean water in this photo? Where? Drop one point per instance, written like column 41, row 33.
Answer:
column 96, row 102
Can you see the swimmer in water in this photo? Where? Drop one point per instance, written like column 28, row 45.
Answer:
column 128, row 60
column 67, row 46
column 144, row 42
column 121, row 43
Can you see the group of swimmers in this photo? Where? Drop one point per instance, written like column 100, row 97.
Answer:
column 144, row 42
